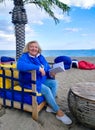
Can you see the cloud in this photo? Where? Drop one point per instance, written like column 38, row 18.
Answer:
column 84, row 34
column 7, row 36
column 80, row 3
column 7, row 40
column 29, row 33
column 36, row 15
column 59, row 14
column 5, row 8
column 72, row 29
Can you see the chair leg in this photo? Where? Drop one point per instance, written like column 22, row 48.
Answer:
column 35, row 113
column 34, row 108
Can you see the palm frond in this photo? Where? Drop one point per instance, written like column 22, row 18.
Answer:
column 48, row 5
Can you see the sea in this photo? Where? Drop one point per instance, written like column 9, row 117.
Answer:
column 55, row 53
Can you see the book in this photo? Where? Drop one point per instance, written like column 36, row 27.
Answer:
column 58, row 67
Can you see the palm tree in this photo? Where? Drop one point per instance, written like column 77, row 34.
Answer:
column 19, row 17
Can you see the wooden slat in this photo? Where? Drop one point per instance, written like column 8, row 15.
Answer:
column 34, row 108
column 34, row 99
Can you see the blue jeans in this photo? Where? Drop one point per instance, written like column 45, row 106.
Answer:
column 49, row 91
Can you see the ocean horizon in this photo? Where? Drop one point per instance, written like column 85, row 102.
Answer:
column 55, row 53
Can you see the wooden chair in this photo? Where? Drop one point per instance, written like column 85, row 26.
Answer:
column 11, row 74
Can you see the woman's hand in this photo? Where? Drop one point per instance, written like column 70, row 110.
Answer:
column 52, row 74
column 42, row 71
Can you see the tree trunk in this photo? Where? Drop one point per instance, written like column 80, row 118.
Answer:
column 20, row 39
column 19, row 19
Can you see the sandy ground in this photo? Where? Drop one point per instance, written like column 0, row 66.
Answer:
column 13, row 119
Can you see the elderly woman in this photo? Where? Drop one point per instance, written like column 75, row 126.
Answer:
column 32, row 59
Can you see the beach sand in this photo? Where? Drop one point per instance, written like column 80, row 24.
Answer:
column 14, row 119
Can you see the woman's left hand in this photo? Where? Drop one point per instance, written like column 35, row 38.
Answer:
column 52, row 74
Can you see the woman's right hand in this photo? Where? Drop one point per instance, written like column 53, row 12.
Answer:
column 42, row 71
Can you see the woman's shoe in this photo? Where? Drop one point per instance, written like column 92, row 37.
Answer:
column 65, row 119
column 48, row 109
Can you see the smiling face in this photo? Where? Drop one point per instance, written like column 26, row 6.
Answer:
column 33, row 49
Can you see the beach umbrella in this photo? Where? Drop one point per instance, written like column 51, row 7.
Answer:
column 19, row 17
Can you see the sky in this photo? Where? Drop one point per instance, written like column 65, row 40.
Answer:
column 76, row 30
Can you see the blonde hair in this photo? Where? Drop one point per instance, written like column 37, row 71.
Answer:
column 26, row 48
